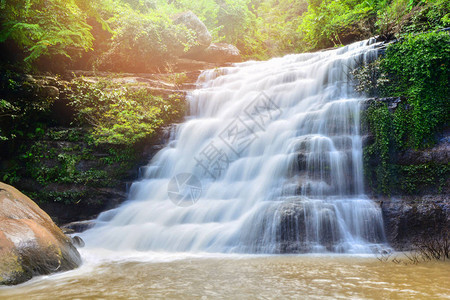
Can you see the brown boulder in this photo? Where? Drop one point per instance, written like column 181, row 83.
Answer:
column 219, row 53
column 30, row 243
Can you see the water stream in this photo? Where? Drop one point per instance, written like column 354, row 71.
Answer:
column 268, row 161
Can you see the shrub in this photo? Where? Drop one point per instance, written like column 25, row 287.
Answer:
column 143, row 42
column 328, row 23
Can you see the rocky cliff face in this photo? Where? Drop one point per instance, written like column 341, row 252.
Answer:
column 417, row 207
column 30, row 243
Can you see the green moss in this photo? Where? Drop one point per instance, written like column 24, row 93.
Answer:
column 383, row 174
column 418, row 68
column 11, row 270
column 417, row 72
column 377, row 156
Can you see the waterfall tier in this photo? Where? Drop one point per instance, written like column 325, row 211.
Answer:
column 269, row 161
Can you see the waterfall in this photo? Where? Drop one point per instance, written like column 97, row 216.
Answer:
column 268, row 161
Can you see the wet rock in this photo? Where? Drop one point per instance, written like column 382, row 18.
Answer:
column 367, row 139
column 78, row 242
column 410, row 219
column 440, row 154
column 30, row 243
column 78, row 226
column 392, row 102
column 93, row 201
column 291, row 229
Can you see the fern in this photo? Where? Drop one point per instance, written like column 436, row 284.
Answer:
column 45, row 27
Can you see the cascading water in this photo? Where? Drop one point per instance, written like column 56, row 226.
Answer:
column 276, row 149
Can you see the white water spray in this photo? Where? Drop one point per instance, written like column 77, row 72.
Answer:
column 276, row 147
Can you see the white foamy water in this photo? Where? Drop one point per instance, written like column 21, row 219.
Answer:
column 276, row 147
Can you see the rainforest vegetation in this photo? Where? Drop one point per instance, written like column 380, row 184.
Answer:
column 49, row 37
column 54, row 33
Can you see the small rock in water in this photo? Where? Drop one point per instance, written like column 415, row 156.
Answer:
column 78, row 226
column 78, row 242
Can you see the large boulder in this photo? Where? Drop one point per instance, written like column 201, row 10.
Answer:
column 30, row 243
column 219, row 53
column 192, row 22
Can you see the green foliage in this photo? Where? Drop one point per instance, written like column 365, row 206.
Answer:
column 45, row 27
column 121, row 114
column 260, row 29
column 369, row 79
column 112, row 120
column 119, row 155
column 401, row 124
column 66, row 197
column 276, row 26
column 232, row 21
column 54, row 159
column 11, row 175
column 48, row 164
column 419, row 69
column 138, row 35
column 7, row 111
column 328, row 22
column 392, row 18
column 416, row 71
column 378, row 118
column 177, row 79
column 69, row 134
column 432, row 15
column 384, row 174
column 413, row 178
